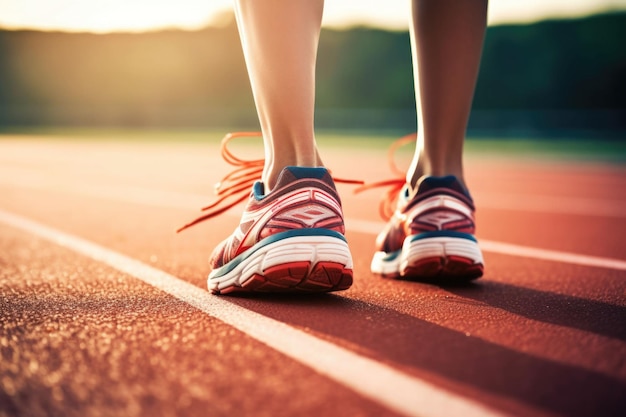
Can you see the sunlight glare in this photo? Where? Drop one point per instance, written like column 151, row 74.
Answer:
column 110, row 15
column 140, row 15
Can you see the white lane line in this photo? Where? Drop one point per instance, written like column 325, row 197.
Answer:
column 172, row 199
column 551, row 255
column 365, row 226
column 395, row 390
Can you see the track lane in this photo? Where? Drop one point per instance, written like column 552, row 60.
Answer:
column 482, row 358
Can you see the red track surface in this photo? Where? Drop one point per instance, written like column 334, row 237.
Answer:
column 533, row 337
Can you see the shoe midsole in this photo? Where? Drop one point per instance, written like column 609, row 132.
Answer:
column 416, row 248
column 313, row 245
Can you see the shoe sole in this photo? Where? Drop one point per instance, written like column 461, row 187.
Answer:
column 306, row 263
column 435, row 259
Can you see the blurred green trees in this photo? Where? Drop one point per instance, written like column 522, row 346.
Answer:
column 535, row 73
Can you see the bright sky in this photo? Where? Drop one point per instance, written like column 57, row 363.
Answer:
column 137, row 15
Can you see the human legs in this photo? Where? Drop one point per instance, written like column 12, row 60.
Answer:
column 280, row 40
column 291, row 233
column 446, row 38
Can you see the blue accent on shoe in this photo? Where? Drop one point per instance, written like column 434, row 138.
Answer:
column 405, row 193
column 443, row 233
column 258, row 190
column 447, row 181
column 308, row 172
column 232, row 264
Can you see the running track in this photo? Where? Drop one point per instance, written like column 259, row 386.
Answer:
column 104, row 311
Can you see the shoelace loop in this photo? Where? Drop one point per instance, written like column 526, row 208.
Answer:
column 234, row 188
column 389, row 200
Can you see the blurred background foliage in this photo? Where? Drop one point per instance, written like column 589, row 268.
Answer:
column 557, row 77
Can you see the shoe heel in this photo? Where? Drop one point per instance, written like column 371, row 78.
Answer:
column 441, row 259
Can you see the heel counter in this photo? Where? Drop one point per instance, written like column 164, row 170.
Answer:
column 441, row 212
column 308, row 207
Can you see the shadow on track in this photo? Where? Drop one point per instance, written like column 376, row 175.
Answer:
column 563, row 310
column 430, row 350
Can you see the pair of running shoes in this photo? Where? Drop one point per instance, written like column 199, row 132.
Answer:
column 292, row 238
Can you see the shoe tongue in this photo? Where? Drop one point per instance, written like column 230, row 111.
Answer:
column 449, row 181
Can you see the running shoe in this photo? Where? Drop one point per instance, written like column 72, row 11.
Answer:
column 430, row 235
column 290, row 239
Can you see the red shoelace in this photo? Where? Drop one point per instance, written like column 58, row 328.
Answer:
column 235, row 186
column 389, row 199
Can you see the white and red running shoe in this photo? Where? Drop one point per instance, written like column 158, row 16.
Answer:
column 430, row 236
column 288, row 240
column 430, row 231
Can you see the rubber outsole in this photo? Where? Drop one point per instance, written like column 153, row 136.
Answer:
column 303, row 264
column 435, row 260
